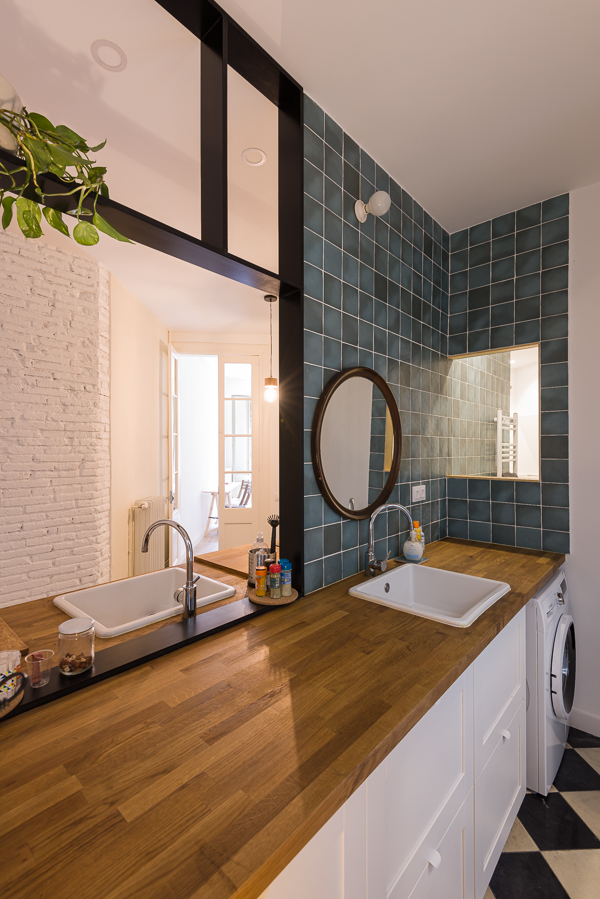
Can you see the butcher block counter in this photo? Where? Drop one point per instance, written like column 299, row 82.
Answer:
column 204, row 772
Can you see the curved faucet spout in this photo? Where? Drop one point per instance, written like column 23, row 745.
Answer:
column 189, row 605
column 372, row 565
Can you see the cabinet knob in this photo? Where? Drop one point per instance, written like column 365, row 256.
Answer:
column 506, row 735
column 434, row 859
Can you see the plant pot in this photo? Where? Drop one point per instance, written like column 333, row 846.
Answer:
column 9, row 99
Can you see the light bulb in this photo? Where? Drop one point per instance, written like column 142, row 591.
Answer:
column 379, row 203
column 271, row 393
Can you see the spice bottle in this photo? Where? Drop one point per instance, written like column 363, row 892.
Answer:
column 286, row 577
column 261, row 580
column 76, row 645
column 258, row 546
column 275, row 573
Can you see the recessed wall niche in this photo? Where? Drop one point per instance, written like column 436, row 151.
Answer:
column 494, row 410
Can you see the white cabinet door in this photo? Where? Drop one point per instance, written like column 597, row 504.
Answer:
column 443, row 864
column 499, row 792
column 499, row 726
column 430, row 769
column 499, row 688
column 317, row 870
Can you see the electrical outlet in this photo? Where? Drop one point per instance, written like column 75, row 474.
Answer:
column 419, row 493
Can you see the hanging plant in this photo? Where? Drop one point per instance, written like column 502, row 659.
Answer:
column 44, row 147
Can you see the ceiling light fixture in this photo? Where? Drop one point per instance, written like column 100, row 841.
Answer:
column 379, row 204
column 254, row 157
column 109, row 56
column 271, row 386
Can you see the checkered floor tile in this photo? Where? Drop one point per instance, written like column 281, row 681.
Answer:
column 553, row 850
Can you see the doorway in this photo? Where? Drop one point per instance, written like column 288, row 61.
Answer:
column 224, row 446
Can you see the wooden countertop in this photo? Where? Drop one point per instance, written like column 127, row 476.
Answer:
column 233, row 561
column 203, row 773
column 37, row 622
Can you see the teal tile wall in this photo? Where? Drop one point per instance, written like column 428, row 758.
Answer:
column 376, row 294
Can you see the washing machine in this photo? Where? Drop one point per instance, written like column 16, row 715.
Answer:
column 550, row 681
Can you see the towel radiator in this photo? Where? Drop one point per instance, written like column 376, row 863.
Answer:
column 507, row 451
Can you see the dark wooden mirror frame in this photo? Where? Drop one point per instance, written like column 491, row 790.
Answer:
column 315, row 443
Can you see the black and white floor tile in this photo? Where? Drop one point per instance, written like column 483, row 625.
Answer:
column 553, row 850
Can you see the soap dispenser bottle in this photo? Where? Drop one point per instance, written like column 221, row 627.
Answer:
column 413, row 549
column 259, row 546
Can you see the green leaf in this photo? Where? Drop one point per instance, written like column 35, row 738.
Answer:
column 55, row 219
column 85, row 234
column 104, row 189
column 102, row 225
column 29, row 217
column 72, row 136
column 41, row 121
column 7, row 205
column 99, row 147
column 62, row 158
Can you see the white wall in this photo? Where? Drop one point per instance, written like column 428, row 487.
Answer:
column 584, row 441
column 525, row 401
column 54, row 401
column 199, row 440
column 346, row 442
column 138, row 414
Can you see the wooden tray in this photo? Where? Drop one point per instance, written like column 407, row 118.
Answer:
column 267, row 601
column 10, row 640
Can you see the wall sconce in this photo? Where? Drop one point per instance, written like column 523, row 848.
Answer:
column 271, row 386
column 378, row 205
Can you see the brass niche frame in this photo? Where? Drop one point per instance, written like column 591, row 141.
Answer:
column 315, row 441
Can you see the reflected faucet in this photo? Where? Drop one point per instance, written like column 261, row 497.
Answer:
column 189, row 591
column 373, row 565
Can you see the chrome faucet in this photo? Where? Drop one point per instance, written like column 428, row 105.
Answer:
column 373, row 565
column 189, row 591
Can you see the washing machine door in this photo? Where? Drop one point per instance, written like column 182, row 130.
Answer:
column 562, row 678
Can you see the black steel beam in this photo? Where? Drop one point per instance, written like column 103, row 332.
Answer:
column 213, row 136
column 142, row 229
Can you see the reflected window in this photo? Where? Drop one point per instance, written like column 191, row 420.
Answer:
column 238, row 434
column 495, row 409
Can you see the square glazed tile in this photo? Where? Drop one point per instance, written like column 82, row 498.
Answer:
column 553, row 824
column 578, row 738
column 591, row 754
column 519, row 840
column 576, row 774
column 587, row 805
column 578, row 872
column 521, row 875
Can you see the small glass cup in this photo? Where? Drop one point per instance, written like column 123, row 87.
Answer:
column 38, row 667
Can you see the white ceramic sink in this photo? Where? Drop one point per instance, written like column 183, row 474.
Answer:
column 446, row 596
column 125, row 605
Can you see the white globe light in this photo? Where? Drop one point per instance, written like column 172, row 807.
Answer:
column 270, row 394
column 379, row 203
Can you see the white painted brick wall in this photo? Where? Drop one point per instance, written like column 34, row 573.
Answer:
column 54, row 408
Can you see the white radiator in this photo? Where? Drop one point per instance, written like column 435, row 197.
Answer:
column 141, row 515
column 507, row 451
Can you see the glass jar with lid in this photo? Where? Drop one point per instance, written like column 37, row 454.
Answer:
column 76, row 645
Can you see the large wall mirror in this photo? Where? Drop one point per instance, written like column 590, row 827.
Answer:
column 356, row 442
column 496, row 415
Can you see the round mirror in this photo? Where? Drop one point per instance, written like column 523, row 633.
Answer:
column 356, row 442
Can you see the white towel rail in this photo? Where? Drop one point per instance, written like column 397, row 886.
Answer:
column 507, row 451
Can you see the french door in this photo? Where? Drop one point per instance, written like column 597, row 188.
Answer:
column 176, row 545
column 239, row 450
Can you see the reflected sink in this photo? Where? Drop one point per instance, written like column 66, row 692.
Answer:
column 134, row 602
column 446, row 596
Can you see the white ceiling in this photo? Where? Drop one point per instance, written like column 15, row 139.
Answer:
column 150, row 116
column 476, row 108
